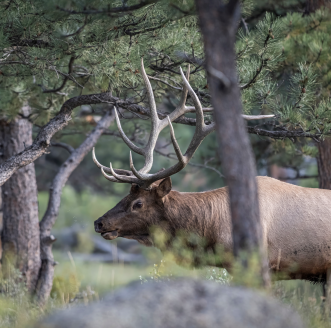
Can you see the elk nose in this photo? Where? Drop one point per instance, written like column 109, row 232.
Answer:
column 98, row 225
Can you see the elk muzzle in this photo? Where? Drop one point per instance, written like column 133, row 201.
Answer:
column 105, row 232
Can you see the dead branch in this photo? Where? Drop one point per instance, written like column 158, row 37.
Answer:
column 46, row 273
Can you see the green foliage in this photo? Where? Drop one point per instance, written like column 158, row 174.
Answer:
column 39, row 40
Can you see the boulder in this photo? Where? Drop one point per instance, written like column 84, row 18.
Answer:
column 181, row 303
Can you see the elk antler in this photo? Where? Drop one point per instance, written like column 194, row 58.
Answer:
column 142, row 177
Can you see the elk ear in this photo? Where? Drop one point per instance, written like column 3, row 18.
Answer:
column 164, row 187
column 134, row 188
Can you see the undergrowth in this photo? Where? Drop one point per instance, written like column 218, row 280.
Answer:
column 71, row 287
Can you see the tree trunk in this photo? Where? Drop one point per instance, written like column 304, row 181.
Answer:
column 20, row 234
column 324, row 147
column 219, row 22
column 313, row 5
column 1, row 224
column 324, row 163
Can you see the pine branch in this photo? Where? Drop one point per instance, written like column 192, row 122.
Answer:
column 66, row 78
column 283, row 133
column 115, row 10
column 32, row 43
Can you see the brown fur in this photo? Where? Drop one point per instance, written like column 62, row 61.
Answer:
column 296, row 221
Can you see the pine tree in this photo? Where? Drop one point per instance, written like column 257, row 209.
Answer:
column 303, row 75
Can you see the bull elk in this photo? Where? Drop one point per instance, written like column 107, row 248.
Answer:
column 296, row 221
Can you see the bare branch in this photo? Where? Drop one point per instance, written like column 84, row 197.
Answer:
column 63, row 145
column 46, row 273
column 282, row 134
column 78, row 31
column 66, row 78
column 115, row 10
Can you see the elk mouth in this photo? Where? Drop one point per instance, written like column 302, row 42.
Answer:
column 110, row 235
column 113, row 234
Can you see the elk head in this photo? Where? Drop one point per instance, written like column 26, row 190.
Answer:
column 143, row 208
column 133, row 216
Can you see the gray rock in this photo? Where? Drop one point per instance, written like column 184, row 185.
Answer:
column 182, row 303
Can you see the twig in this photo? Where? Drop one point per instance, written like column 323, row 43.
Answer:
column 63, row 145
column 66, row 78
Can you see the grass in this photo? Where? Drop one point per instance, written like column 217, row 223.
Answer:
column 77, row 282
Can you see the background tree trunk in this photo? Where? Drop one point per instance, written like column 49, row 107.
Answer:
column 324, row 147
column 324, row 163
column 219, row 23
column 1, row 224
column 20, row 234
column 313, row 5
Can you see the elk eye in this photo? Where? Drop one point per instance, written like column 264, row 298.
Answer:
column 137, row 205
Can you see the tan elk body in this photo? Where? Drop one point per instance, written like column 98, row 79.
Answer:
column 296, row 221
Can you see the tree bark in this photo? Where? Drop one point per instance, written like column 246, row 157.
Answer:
column 20, row 234
column 324, row 163
column 218, row 22
column 313, row 5
column 46, row 274
column 1, row 224
column 324, row 146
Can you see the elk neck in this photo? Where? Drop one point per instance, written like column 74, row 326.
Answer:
column 206, row 214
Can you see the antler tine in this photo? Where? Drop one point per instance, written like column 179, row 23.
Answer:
column 109, row 177
column 175, row 143
column 150, row 94
column 183, row 97
column 123, row 178
column 119, row 178
column 129, row 143
column 181, row 109
column 107, row 169
column 139, row 175
column 199, row 112
column 150, row 178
